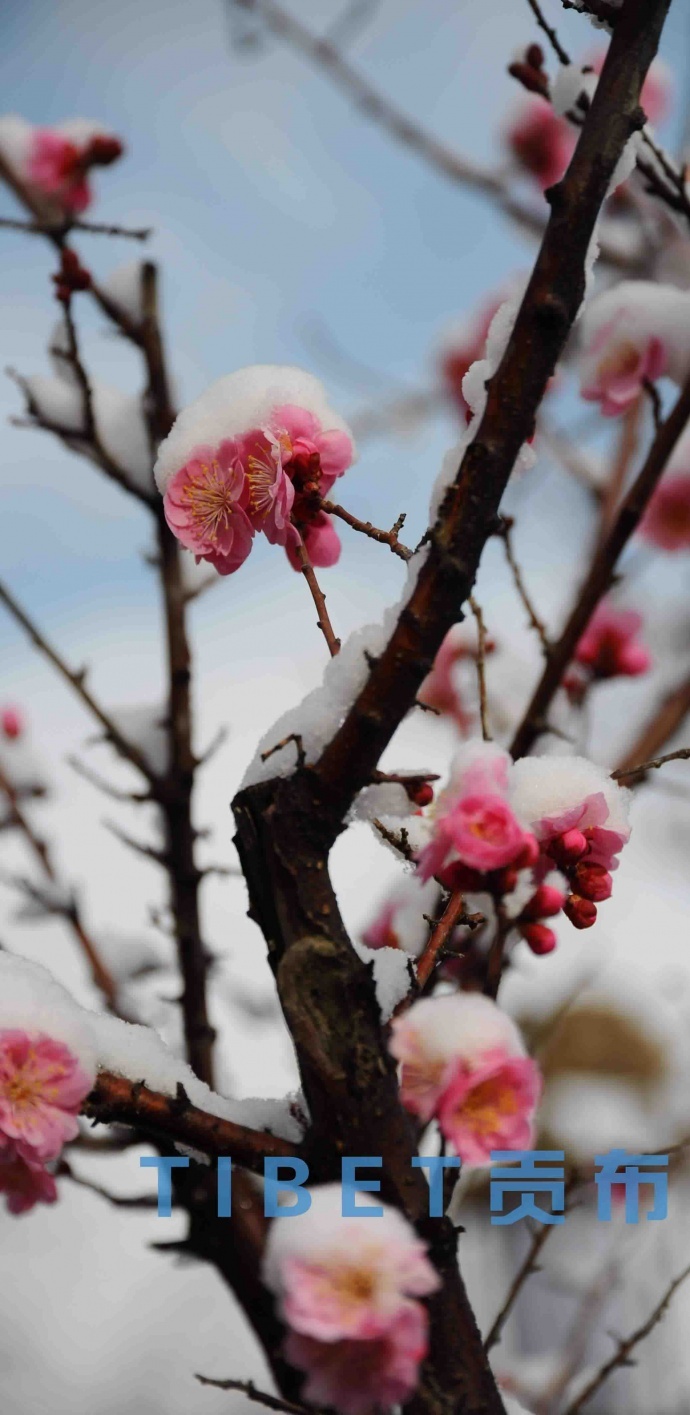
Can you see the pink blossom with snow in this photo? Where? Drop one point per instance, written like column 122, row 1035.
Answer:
column 346, row 1287
column 42, row 1086
column 463, row 1061
column 474, row 825
column 55, row 162
column 259, row 451
column 634, row 332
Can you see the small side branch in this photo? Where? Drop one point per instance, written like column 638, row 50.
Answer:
column 453, row 914
column 116, row 1099
column 624, row 1348
column 481, row 667
column 682, row 755
column 319, row 598
column 261, row 1397
column 529, row 1266
column 506, row 534
column 389, row 538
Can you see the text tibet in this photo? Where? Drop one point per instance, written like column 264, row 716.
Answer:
column 523, row 1184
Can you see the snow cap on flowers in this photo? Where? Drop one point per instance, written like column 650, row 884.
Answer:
column 557, row 794
column 346, row 1289
column 635, row 331
column 55, row 161
column 474, row 823
column 31, row 1000
column 463, row 1060
column 256, row 452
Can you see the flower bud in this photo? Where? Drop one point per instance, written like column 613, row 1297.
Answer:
column 12, row 723
column 541, row 939
column 593, row 882
column 581, row 912
column 422, row 793
column 567, row 848
column 547, row 901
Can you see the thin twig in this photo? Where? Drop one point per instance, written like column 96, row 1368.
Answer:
column 319, row 598
column 389, row 538
column 94, row 228
column 481, row 667
column 549, row 31
column 626, row 1347
column 682, row 755
column 664, row 723
column 102, row 977
column 525, row 1271
column 262, row 1397
column 397, row 839
column 76, row 680
column 506, row 536
column 453, row 914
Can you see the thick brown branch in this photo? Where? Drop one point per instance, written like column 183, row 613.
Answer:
column 601, row 573
column 114, row 1099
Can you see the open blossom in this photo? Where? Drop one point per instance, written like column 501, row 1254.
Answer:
column 609, row 648
column 259, row 451
column 24, row 1183
column 206, row 506
column 440, row 689
column 540, row 141
column 463, row 1061
column 474, row 825
column 346, row 1290
column 56, row 162
column 666, row 522
column 635, row 332
column 580, row 818
column 42, row 1086
column 359, row 1377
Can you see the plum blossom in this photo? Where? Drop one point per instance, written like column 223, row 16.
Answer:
column 259, row 451
column 635, row 332
column 540, row 141
column 440, row 689
column 42, row 1086
column 55, row 162
column 474, row 825
column 666, row 523
column 24, row 1182
column 580, row 818
column 206, row 506
column 463, row 1061
column 461, row 345
column 608, row 649
column 357, row 1377
column 346, row 1289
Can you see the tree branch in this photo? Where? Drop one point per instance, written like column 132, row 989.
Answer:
column 601, row 573
column 389, row 538
column 115, row 1099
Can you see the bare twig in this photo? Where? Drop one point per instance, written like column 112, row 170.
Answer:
column 527, row 1267
column 682, row 755
column 453, row 914
column 389, row 538
column 481, row 667
column 319, row 598
column 668, row 717
column 95, row 228
column 506, row 534
column 549, row 31
column 624, row 1348
column 262, row 1397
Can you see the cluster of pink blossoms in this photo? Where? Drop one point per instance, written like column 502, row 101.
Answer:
column 608, row 649
column 56, row 162
column 463, row 1063
column 269, row 473
column 347, row 1290
column 42, row 1086
column 503, row 828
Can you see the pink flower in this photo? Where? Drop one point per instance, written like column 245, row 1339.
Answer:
column 479, row 831
column 360, row 1377
column 461, row 350
column 12, row 723
column 24, row 1183
column 607, row 647
column 271, row 493
column 58, row 163
column 437, row 1035
column 619, row 365
column 321, row 541
column 666, row 522
column 42, row 1086
column 380, row 933
column 489, row 1106
column 439, row 689
column 540, row 141
column 206, row 506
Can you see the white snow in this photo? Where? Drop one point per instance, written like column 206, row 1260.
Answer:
column 570, row 81
column 32, row 1000
column 392, row 978
column 462, row 1025
column 547, row 786
column 637, row 310
column 237, row 403
column 124, row 286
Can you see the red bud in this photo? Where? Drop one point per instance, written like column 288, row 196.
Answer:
column 547, row 901
column 540, row 938
column 581, row 912
column 593, row 881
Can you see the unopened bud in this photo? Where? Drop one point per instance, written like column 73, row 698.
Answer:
column 547, row 901
column 540, row 938
column 593, row 882
column 581, row 912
